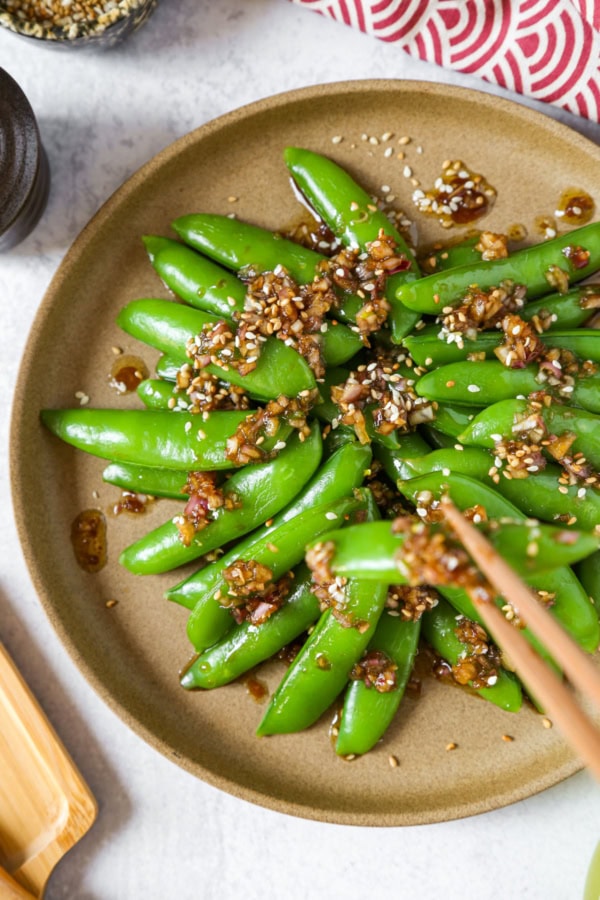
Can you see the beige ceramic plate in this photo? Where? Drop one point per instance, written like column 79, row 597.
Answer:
column 132, row 652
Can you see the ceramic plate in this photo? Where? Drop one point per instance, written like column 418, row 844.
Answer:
column 132, row 652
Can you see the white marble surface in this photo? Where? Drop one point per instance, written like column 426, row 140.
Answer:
column 160, row 832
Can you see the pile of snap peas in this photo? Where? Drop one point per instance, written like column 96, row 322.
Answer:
column 310, row 487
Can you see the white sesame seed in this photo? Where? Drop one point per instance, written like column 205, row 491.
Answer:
column 331, row 516
column 473, row 389
column 337, row 139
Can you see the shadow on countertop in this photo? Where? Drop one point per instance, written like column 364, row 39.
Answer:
column 114, row 807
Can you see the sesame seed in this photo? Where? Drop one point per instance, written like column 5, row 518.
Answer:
column 407, row 171
column 393, row 761
column 508, row 738
column 110, row 603
column 188, row 427
column 473, row 389
column 116, row 350
column 331, row 516
column 546, row 722
column 337, row 139
column 451, row 746
column 404, row 140
column 387, row 136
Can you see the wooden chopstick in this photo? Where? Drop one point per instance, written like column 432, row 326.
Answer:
column 540, row 679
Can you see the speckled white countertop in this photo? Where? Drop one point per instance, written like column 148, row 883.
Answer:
column 160, row 832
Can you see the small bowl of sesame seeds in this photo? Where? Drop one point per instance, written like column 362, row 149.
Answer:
column 75, row 23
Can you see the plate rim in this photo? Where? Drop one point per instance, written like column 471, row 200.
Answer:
column 458, row 810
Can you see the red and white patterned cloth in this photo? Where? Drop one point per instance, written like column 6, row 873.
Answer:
column 546, row 49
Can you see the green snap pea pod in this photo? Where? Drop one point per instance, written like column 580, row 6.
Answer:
column 372, row 552
column 483, row 383
column 353, row 217
column 436, row 438
column 147, row 480
column 238, row 245
column 197, row 280
column 588, row 572
column 156, row 393
column 537, row 496
column 203, row 284
column 410, row 446
column 367, row 712
column 463, row 605
column 447, row 256
column 452, row 418
column 153, row 437
column 338, row 476
column 499, row 421
column 280, row 548
column 247, row 645
column 439, row 629
column 531, row 266
column 570, row 310
column 169, row 326
column 571, row 606
column 322, row 666
column 328, row 412
column 427, row 349
column 259, row 491
column 167, row 368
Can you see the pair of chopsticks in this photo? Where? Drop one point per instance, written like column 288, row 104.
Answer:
column 547, row 687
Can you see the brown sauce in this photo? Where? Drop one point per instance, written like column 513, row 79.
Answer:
column 545, row 225
column 458, row 197
column 127, row 373
column 516, row 233
column 575, row 207
column 258, row 690
column 88, row 538
column 135, row 504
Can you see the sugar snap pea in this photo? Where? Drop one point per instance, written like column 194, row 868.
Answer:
column 355, row 219
column 439, row 628
column 506, row 418
column 541, row 495
column 239, row 245
column 570, row 603
column 147, row 480
column 169, row 326
column 167, row 368
column 483, row 383
column 247, row 645
column 153, row 437
column 441, row 257
column 279, row 547
column 337, row 477
column 427, row 348
column 257, row 492
column 367, row 712
column 156, row 393
column 321, row 668
column 588, row 572
column 374, row 553
column 564, row 311
column 531, row 266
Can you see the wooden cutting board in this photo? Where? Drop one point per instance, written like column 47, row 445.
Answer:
column 45, row 805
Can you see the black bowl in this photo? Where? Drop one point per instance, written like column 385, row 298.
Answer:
column 118, row 23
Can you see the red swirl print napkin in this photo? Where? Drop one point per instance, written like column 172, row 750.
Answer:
column 545, row 49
